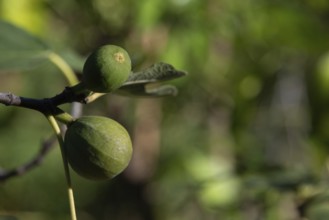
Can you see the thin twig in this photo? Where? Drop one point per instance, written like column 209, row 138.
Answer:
column 46, row 146
column 57, row 130
column 42, row 105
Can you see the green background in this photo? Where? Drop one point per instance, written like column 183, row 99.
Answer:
column 246, row 137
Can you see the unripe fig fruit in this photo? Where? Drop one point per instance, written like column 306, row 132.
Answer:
column 97, row 147
column 106, row 69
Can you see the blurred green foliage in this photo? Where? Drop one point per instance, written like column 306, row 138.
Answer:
column 246, row 138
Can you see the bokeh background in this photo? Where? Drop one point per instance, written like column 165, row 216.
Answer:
column 246, row 137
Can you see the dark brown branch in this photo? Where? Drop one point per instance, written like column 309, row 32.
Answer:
column 45, row 106
column 68, row 96
column 46, row 146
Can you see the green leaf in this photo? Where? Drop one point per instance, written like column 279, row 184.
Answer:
column 19, row 49
column 155, row 73
column 146, row 82
column 149, row 90
column 162, row 90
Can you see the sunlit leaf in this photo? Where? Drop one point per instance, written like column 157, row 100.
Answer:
column 19, row 49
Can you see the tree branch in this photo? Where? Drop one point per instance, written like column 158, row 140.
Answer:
column 46, row 146
column 45, row 106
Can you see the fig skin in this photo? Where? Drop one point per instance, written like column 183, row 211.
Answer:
column 97, row 148
column 106, row 69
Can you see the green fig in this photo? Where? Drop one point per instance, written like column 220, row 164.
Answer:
column 106, row 69
column 97, row 148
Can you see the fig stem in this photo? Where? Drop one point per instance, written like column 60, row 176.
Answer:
column 64, row 67
column 64, row 117
column 57, row 130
